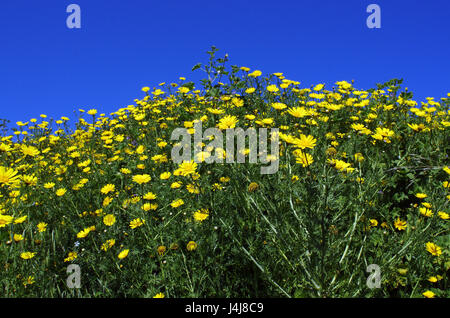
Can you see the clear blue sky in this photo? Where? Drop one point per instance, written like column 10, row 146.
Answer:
column 125, row 45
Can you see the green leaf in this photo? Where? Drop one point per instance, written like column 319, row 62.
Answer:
column 196, row 66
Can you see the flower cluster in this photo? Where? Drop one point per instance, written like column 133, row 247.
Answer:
column 364, row 178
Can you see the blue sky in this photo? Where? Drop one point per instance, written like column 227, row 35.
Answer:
column 125, row 45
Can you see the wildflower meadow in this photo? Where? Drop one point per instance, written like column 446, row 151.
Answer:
column 356, row 205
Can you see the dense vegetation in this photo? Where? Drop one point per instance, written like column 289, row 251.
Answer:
column 363, row 179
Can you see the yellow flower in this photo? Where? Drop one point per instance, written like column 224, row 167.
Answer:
column 29, row 281
column 30, row 180
column 92, row 112
column 303, row 158
column 255, row 73
column 162, row 144
column 434, row 249
column 60, row 192
column 27, row 255
column 85, row 232
column 108, row 244
column 227, row 122
column 176, row 185
column 141, row 178
column 18, row 220
column 400, row 224
column 252, row 187
column 224, row 179
column 446, row 169
column 42, row 227
column 183, row 90
column 443, row 215
column 272, row 88
column 71, row 257
column 192, row 189
column 137, row 223
column 165, row 175
column 359, row 157
column 5, row 220
column 429, row 294
column 340, row 165
column 421, row 195
column 18, row 237
column 123, row 254
column 427, row 205
column 8, row 176
column 250, row 90
column 5, row 147
column 161, row 250
column 201, row 215
column 49, row 185
column 433, row 279
column 149, row 196
column 177, row 203
column 107, row 201
column 357, row 127
column 335, row 143
column 305, row 142
column 318, row 87
column 159, row 295
column 383, row 134
column 109, row 219
column 417, row 127
column 125, row 171
column 298, row 112
column 158, row 92
column 186, row 168
column 140, row 150
column 29, row 151
column 426, row 212
column 108, row 188
column 191, row 246
column 215, row 111
column 202, row 156
column 279, row 106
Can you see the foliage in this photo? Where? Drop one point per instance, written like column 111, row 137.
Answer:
column 309, row 230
